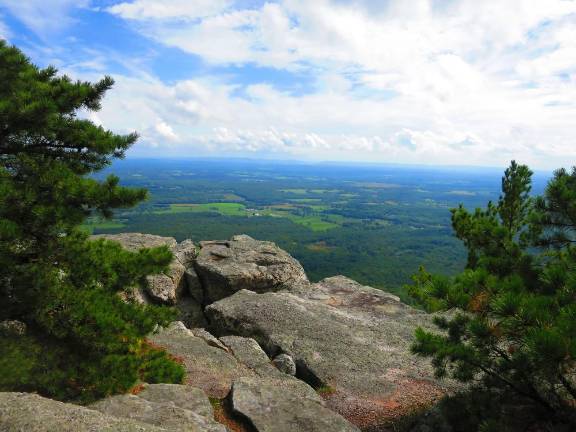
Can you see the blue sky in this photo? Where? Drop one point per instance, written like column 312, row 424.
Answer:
column 402, row 81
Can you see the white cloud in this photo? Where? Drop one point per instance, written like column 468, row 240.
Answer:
column 165, row 131
column 43, row 16
column 4, row 31
column 405, row 80
column 168, row 9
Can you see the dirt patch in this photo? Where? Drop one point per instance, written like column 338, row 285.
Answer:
column 372, row 414
column 224, row 414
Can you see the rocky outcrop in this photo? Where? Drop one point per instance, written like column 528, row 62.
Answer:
column 225, row 267
column 179, row 286
column 349, row 339
column 166, row 288
column 209, row 368
column 28, row 412
column 290, row 355
column 238, row 369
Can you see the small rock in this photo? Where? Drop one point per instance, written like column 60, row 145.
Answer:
column 162, row 288
column 248, row 352
column 209, row 338
column 12, row 328
column 135, row 294
column 285, row 363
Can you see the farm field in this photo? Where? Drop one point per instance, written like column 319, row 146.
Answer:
column 375, row 224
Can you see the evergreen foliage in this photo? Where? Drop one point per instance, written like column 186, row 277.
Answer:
column 83, row 341
column 512, row 330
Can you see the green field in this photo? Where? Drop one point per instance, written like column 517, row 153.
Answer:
column 91, row 226
column 314, row 222
column 224, row 208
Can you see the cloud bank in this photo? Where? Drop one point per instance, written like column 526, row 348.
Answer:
column 424, row 81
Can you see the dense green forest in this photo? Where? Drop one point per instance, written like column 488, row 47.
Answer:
column 373, row 223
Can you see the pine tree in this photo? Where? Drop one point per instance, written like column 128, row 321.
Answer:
column 82, row 341
column 512, row 330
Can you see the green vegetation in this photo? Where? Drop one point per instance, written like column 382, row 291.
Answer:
column 82, row 342
column 230, row 209
column 514, row 333
column 378, row 236
column 291, row 212
column 92, row 224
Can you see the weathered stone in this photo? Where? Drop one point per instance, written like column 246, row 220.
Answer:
column 194, row 286
column 225, row 267
column 165, row 415
column 136, row 241
column 284, row 406
column 209, row 368
column 161, row 288
column 136, row 294
column 12, row 328
column 284, row 363
column 209, row 338
column 185, row 252
column 248, row 352
column 352, row 340
column 190, row 312
column 26, row 412
column 182, row 396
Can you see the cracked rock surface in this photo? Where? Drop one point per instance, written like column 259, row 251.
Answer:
column 280, row 405
column 225, row 267
column 352, row 340
column 29, row 412
column 162, row 413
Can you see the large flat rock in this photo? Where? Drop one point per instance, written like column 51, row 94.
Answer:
column 225, row 267
column 352, row 340
column 277, row 405
column 182, row 396
column 26, row 412
column 164, row 414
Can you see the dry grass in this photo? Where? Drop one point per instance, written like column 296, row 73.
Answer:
column 223, row 414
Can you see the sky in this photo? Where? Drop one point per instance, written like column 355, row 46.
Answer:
column 440, row 82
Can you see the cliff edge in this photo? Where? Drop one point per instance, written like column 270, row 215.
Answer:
column 271, row 351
